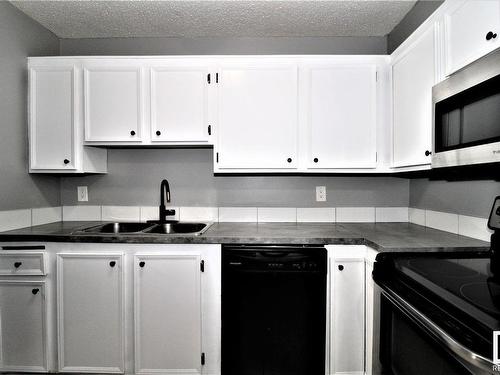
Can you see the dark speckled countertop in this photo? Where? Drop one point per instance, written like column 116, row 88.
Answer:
column 381, row 236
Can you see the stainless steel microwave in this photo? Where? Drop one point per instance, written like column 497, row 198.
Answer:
column 466, row 112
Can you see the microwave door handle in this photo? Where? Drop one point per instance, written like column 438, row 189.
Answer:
column 467, row 356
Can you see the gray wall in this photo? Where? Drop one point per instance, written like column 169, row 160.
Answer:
column 134, row 179
column 418, row 14
column 229, row 46
column 20, row 37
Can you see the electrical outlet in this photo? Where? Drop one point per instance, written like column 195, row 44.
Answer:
column 83, row 194
column 320, row 193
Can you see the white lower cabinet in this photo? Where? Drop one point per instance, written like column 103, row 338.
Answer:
column 23, row 326
column 347, row 309
column 90, row 302
column 167, row 306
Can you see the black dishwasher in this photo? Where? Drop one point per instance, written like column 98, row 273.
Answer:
column 273, row 310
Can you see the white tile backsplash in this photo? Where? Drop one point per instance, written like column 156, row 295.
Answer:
column 316, row 215
column 237, row 214
column 475, row 227
column 416, row 216
column 199, row 213
column 442, row 221
column 276, row 214
column 355, row 214
column 15, row 219
column 120, row 213
column 45, row 215
column 391, row 214
column 81, row 213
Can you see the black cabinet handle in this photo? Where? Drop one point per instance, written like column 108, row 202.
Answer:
column 132, row 132
column 17, row 264
column 341, row 267
column 66, row 161
column 142, row 264
column 158, row 133
column 315, row 160
column 491, row 35
column 35, row 291
column 112, row 263
column 427, row 153
column 289, row 160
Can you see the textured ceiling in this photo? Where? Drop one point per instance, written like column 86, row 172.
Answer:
column 216, row 18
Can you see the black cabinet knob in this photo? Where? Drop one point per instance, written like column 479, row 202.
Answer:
column 491, row 35
column 315, row 160
column 66, row 161
column 142, row 264
column 132, row 132
column 427, row 153
column 17, row 264
column 35, row 291
column 158, row 133
column 341, row 267
column 289, row 160
column 112, row 263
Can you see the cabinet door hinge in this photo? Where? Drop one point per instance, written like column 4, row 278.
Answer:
column 203, row 359
column 217, row 157
column 216, row 77
column 202, row 266
column 208, row 78
column 209, row 129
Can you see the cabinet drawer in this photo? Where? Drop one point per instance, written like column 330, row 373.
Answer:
column 23, row 263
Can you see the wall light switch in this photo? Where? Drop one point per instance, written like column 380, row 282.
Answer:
column 83, row 194
column 320, row 193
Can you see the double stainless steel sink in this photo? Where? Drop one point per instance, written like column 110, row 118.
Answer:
column 168, row 228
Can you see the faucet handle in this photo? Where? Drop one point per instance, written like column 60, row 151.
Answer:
column 170, row 212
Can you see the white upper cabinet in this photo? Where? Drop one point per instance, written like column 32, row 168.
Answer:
column 341, row 116
column 91, row 312
column 167, row 304
column 179, row 102
column 257, row 115
column 413, row 74
column 113, row 101
column 55, row 130
column 472, row 29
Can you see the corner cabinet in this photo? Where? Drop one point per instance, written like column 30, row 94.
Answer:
column 472, row 29
column 257, row 115
column 91, row 312
column 55, row 133
column 413, row 75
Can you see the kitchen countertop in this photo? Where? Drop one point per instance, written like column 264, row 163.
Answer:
column 380, row 236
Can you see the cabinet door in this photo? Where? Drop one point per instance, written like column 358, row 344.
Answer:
column 257, row 121
column 167, row 314
column 413, row 78
column 52, row 117
column 23, row 329
column 179, row 104
column 113, row 101
column 342, row 117
column 90, row 313
column 347, row 322
column 472, row 29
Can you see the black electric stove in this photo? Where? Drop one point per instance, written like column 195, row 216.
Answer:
column 439, row 311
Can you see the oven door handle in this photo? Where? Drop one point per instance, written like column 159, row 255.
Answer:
column 467, row 356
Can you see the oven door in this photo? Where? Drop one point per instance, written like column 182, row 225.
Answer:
column 411, row 344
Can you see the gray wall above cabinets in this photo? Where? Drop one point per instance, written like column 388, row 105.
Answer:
column 225, row 46
column 413, row 19
column 20, row 37
column 134, row 179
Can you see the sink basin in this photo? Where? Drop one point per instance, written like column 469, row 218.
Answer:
column 118, row 228
column 179, row 228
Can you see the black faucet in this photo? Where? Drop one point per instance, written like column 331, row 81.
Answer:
column 165, row 192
